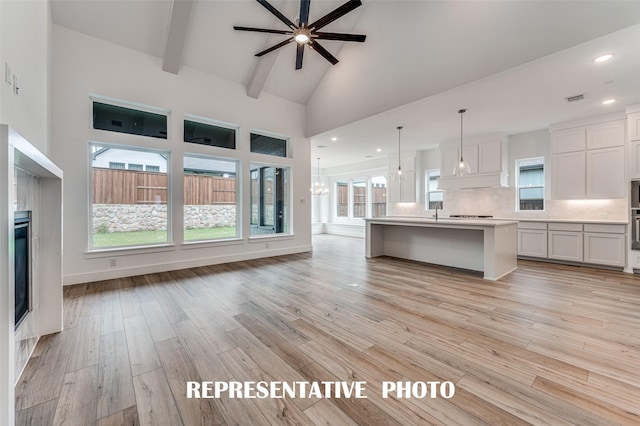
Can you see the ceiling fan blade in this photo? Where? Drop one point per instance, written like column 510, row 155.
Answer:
column 322, row 51
column 304, row 12
column 299, row 53
column 277, row 46
column 277, row 13
column 335, row 14
column 342, row 37
column 262, row 30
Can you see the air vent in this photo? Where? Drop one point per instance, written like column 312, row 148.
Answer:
column 576, row 98
column 323, row 146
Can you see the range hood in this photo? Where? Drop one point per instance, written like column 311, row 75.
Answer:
column 488, row 162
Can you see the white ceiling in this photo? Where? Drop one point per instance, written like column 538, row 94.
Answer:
column 510, row 63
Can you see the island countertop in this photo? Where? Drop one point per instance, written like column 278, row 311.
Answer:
column 444, row 221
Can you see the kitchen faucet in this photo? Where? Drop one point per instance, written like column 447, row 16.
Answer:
column 436, row 216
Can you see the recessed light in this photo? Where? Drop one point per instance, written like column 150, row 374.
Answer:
column 334, row 139
column 603, row 58
column 608, row 101
column 379, row 150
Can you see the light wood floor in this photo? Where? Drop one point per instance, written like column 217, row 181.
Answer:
column 548, row 344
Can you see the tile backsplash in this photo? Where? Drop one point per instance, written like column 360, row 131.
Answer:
column 501, row 203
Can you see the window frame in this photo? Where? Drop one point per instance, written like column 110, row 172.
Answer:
column 428, row 192
column 287, row 139
column 518, row 164
column 212, row 122
column 147, row 247
column 131, row 105
column 366, row 183
column 288, row 188
column 238, row 177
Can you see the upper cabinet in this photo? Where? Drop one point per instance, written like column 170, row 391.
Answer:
column 487, row 158
column 588, row 160
column 633, row 136
column 403, row 190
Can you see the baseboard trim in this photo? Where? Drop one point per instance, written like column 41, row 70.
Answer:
column 92, row 276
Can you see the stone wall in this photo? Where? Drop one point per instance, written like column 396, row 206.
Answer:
column 153, row 217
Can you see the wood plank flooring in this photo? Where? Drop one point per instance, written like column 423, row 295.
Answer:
column 549, row 344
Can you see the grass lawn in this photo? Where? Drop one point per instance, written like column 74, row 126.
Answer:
column 135, row 238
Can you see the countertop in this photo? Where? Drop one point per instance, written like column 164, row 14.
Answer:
column 423, row 220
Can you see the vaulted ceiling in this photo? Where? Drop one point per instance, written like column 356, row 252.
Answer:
column 511, row 63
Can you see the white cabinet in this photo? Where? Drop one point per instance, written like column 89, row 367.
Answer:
column 532, row 239
column 633, row 121
column 565, row 245
column 487, row 159
column 605, row 244
column 568, row 176
column 403, row 190
column 605, row 173
column 589, row 161
column 634, row 159
column 597, row 244
column 569, row 140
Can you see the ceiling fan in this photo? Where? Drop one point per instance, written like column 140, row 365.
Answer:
column 305, row 33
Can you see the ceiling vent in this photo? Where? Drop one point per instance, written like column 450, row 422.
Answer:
column 576, row 98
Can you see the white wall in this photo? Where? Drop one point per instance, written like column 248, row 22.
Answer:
column 25, row 33
column 84, row 65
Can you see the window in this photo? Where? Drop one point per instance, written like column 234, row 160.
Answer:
column 209, row 134
column 378, row 196
column 435, row 197
column 210, row 198
column 119, row 119
column 270, row 194
column 359, row 198
column 128, row 207
column 530, row 184
column 132, row 166
column 262, row 144
column 116, row 165
column 152, row 168
column 342, row 199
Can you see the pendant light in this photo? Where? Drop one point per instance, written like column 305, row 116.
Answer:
column 319, row 188
column 462, row 168
column 397, row 176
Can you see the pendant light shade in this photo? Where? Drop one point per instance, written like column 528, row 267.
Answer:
column 462, row 167
column 318, row 188
column 397, row 176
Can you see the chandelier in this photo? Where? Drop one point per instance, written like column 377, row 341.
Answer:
column 318, row 188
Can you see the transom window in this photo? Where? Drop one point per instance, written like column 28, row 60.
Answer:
column 115, row 118
column 208, row 133
column 262, row 144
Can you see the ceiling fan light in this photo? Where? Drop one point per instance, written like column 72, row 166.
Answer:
column 301, row 38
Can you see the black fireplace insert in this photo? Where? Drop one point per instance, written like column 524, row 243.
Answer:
column 22, row 237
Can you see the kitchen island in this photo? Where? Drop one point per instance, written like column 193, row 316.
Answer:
column 483, row 245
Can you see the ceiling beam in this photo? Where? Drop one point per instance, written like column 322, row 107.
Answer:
column 265, row 63
column 177, row 34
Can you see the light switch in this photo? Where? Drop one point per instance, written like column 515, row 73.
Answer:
column 8, row 76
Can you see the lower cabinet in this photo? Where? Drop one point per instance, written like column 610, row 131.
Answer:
column 565, row 245
column 597, row 244
column 605, row 248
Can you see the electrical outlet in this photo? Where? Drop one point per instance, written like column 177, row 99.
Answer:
column 113, row 262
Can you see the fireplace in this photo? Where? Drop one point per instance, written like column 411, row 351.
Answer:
column 22, row 237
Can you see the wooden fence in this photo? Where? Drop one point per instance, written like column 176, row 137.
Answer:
column 116, row 186
column 378, row 202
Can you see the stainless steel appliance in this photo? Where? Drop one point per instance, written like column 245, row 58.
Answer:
column 635, row 214
column 635, row 229
column 635, row 194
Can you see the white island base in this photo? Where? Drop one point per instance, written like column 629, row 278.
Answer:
column 489, row 246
